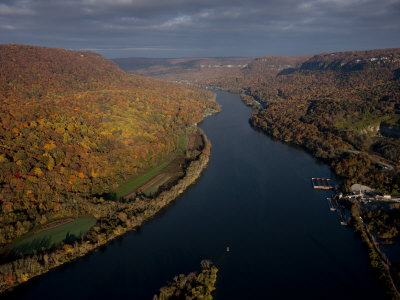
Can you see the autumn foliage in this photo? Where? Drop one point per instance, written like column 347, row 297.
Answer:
column 331, row 104
column 73, row 125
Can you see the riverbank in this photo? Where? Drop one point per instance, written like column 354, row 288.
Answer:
column 378, row 260
column 116, row 219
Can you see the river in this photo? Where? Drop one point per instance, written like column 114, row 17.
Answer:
column 256, row 198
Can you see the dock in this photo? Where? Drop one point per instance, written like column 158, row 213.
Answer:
column 321, row 183
column 342, row 216
column 333, row 205
column 336, row 206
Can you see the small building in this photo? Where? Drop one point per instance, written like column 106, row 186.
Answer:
column 357, row 188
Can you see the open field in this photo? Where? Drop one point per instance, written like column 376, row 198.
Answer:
column 167, row 175
column 150, row 181
column 52, row 237
column 182, row 143
column 132, row 185
column 362, row 121
column 153, row 188
column 54, row 224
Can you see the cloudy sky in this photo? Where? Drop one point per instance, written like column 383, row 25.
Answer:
column 177, row 28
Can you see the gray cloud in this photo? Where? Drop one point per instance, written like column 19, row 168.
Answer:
column 202, row 27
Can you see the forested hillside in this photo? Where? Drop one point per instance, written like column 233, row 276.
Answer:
column 259, row 71
column 74, row 126
column 342, row 107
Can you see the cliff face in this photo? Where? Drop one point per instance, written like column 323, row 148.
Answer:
column 354, row 60
column 276, row 63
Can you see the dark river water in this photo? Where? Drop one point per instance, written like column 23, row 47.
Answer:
column 255, row 197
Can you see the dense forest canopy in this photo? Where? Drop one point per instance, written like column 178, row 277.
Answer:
column 74, row 125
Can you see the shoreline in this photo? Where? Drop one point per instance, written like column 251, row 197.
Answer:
column 129, row 216
column 384, row 267
column 377, row 258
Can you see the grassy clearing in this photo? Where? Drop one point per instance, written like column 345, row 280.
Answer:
column 154, row 187
column 358, row 122
column 52, row 237
column 132, row 185
column 182, row 143
column 362, row 121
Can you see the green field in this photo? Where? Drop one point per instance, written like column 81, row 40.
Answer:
column 182, row 143
column 362, row 121
column 52, row 237
column 154, row 188
column 132, row 185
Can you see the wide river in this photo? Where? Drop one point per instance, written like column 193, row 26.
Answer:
column 256, row 198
